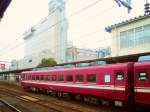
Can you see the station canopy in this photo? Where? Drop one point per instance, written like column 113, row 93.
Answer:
column 3, row 6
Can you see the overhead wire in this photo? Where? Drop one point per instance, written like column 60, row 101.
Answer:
column 71, row 16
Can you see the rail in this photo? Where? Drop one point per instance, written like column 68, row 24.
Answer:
column 52, row 106
column 11, row 107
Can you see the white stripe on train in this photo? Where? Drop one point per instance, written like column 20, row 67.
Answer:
column 90, row 86
column 93, row 86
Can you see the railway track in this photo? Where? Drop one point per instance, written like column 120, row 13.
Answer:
column 9, row 106
column 52, row 106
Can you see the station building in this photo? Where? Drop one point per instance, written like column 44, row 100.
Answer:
column 131, row 36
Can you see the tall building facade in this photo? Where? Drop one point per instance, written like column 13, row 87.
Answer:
column 131, row 36
column 48, row 38
column 77, row 54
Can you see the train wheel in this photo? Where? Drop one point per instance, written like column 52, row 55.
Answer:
column 111, row 103
column 36, row 90
column 86, row 99
column 105, row 102
column 54, row 93
column 67, row 96
column 59, row 94
column 94, row 100
column 79, row 97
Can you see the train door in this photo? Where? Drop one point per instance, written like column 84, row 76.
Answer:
column 119, row 85
column 142, row 86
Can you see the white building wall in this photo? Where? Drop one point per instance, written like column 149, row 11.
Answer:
column 47, row 39
column 142, row 48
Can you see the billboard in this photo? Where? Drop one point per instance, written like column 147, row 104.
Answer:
column 2, row 66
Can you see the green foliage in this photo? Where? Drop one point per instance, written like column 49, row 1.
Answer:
column 47, row 62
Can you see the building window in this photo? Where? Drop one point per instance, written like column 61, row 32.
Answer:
column 79, row 78
column 91, row 78
column 69, row 78
column 30, row 60
column 123, row 39
column 135, row 37
column 143, row 76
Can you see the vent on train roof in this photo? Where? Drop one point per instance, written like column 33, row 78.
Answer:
column 55, row 67
column 144, row 58
column 94, row 63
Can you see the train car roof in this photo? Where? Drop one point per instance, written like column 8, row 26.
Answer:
column 143, row 63
column 80, row 68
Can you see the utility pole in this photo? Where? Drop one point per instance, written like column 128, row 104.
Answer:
column 125, row 3
column 147, row 7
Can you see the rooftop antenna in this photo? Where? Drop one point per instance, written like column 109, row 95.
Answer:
column 147, row 7
column 125, row 3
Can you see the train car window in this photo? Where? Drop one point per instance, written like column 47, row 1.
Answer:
column 23, row 77
column 143, row 76
column 119, row 76
column 42, row 77
column 61, row 78
column 91, row 78
column 37, row 77
column 29, row 77
column 79, row 78
column 69, row 78
column 107, row 78
column 53, row 77
column 33, row 77
column 48, row 78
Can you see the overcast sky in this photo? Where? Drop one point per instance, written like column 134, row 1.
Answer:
column 86, row 29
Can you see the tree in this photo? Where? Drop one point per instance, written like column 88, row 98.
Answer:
column 47, row 62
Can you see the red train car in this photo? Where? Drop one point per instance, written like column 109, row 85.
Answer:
column 142, row 82
column 113, row 82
